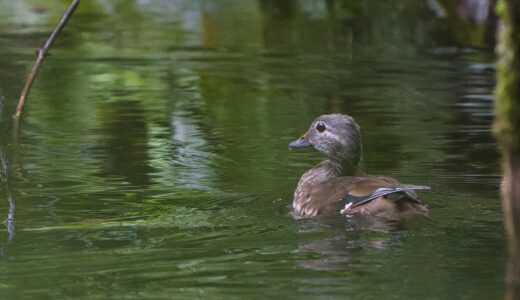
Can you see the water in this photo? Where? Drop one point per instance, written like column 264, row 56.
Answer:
column 153, row 164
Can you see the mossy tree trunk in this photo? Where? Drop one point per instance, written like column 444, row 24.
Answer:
column 507, row 131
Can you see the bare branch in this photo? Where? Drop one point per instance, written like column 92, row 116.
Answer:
column 42, row 52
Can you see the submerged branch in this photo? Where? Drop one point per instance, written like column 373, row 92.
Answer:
column 9, row 220
column 42, row 52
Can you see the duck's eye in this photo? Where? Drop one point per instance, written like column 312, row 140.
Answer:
column 320, row 127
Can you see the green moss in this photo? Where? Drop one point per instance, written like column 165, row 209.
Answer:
column 507, row 91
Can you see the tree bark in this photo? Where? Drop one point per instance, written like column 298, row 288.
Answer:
column 507, row 130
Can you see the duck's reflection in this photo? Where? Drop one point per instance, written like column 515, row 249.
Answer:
column 346, row 239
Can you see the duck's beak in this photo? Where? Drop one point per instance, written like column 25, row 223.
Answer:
column 302, row 142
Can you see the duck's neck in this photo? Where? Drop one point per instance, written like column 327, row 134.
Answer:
column 335, row 166
column 330, row 169
column 348, row 162
column 345, row 168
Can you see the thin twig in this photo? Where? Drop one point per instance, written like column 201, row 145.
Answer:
column 41, row 55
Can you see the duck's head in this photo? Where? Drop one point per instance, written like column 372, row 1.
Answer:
column 336, row 136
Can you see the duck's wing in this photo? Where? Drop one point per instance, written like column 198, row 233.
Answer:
column 383, row 197
column 394, row 193
column 372, row 187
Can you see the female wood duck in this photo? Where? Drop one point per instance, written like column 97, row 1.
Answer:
column 341, row 181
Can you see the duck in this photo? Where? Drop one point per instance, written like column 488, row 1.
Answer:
column 340, row 185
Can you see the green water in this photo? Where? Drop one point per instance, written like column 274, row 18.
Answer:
column 153, row 164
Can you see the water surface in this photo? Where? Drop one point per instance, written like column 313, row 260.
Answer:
column 153, row 164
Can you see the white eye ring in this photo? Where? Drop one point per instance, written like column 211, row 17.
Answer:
column 320, row 127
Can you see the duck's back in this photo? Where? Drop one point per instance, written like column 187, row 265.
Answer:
column 311, row 199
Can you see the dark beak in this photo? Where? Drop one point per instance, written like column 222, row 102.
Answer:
column 302, row 142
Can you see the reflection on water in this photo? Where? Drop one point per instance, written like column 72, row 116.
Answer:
column 125, row 151
column 153, row 153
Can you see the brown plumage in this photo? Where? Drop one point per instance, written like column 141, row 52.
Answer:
column 338, row 137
